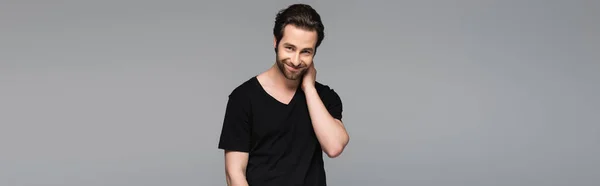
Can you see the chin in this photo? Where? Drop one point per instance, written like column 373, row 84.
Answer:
column 289, row 74
column 294, row 76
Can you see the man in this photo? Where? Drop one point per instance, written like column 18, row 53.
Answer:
column 278, row 123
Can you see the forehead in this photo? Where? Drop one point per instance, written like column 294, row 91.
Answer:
column 299, row 37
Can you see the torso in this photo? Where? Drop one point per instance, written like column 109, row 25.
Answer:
column 284, row 147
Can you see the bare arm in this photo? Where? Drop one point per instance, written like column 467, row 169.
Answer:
column 330, row 131
column 235, row 168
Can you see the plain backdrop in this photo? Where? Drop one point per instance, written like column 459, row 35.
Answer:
column 454, row 93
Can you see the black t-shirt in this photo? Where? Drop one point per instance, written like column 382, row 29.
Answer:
column 282, row 145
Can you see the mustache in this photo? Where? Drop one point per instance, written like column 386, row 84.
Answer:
column 287, row 62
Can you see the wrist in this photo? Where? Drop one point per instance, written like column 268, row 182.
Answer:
column 308, row 85
column 309, row 88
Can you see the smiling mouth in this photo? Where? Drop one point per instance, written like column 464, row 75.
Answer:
column 292, row 68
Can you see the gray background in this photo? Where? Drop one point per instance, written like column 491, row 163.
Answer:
column 469, row 92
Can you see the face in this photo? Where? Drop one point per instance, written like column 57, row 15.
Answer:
column 295, row 51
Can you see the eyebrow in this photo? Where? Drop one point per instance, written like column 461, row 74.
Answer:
column 288, row 44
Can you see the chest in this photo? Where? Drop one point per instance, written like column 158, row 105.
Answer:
column 273, row 120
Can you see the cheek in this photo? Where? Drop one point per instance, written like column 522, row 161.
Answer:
column 307, row 60
column 283, row 55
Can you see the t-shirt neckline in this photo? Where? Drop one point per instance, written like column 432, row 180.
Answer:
column 264, row 92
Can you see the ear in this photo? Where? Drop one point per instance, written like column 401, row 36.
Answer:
column 275, row 44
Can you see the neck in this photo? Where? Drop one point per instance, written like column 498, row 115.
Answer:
column 279, row 79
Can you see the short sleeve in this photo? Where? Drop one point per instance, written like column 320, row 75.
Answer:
column 333, row 102
column 235, row 133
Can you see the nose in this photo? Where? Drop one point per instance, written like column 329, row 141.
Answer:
column 295, row 59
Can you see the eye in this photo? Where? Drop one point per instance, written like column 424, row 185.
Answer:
column 288, row 48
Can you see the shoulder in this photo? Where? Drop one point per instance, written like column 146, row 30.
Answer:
column 323, row 88
column 326, row 91
column 244, row 90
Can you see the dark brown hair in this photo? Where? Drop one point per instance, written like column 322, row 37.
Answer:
column 302, row 16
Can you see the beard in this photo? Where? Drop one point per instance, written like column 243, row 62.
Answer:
column 281, row 63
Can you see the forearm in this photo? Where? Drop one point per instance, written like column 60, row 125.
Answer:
column 236, row 178
column 235, row 168
column 330, row 132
